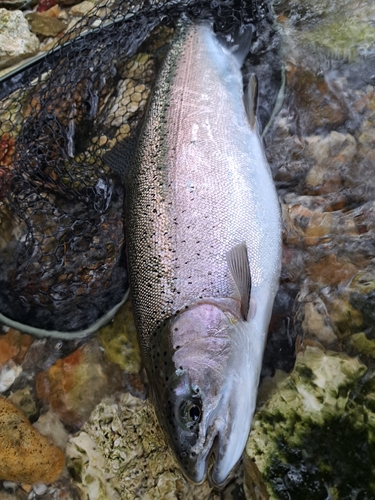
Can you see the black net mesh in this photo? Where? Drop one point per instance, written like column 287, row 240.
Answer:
column 62, row 249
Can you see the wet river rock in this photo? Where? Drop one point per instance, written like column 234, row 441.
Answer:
column 25, row 455
column 16, row 40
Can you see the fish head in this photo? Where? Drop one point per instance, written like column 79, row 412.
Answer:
column 204, row 389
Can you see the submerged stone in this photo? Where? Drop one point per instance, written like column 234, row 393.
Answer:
column 45, row 5
column 315, row 437
column 50, row 425
column 16, row 41
column 362, row 344
column 25, row 455
column 14, row 345
column 119, row 339
column 318, row 104
column 45, row 26
column 316, row 322
column 81, row 9
column 76, row 384
column 8, row 374
column 24, row 401
column 121, row 454
column 345, row 37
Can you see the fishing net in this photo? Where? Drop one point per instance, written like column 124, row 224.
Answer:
column 62, row 248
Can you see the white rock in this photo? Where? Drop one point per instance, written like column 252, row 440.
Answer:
column 10, row 485
column 331, row 145
column 94, row 480
column 40, row 488
column 63, row 16
column 8, row 374
column 316, row 322
column 16, row 40
column 50, row 425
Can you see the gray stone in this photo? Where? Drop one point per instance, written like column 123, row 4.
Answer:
column 16, row 41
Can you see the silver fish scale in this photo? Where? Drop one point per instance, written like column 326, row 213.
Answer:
column 190, row 200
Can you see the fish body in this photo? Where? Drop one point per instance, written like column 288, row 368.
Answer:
column 204, row 240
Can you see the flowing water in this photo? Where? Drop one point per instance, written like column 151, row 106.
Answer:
column 321, row 149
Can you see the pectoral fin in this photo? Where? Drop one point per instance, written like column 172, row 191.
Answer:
column 239, row 268
column 250, row 100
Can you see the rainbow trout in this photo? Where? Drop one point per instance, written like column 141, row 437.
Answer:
column 204, row 243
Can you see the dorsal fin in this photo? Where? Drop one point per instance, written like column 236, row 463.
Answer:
column 250, row 100
column 239, row 268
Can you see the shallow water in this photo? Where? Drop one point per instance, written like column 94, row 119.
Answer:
column 321, row 150
column 320, row 147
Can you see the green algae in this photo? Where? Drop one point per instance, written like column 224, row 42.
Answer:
column 315, row 438
column 316, row 467
column 25, row 401
column 362, row 344
column 119, row 339
column 344, row 38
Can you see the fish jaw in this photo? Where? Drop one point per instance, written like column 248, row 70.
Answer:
column 226, row 427
column 239, row 400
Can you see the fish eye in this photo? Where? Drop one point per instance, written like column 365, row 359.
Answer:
column 190, row 413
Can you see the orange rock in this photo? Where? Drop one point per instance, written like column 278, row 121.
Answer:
column 52, row 12
column 281, row 18
column 14, row 345
column 330, row 270
column 7, row 349
column 320, row 228
column 318, row 104
column 25, row 455
column 76, row 384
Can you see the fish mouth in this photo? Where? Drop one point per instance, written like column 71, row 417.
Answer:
column 211, row 464
column 218, row 480
column 199, row 472
column 221, row 471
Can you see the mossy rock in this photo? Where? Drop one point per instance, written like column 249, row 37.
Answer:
column 315, row 438
column 362, row 344
column 119, row 339
column 344, row 38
